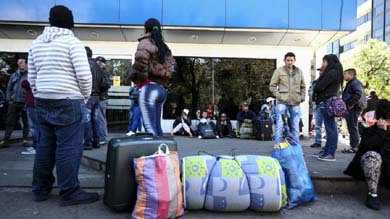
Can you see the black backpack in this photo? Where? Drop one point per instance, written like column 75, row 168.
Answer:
column 206, row 131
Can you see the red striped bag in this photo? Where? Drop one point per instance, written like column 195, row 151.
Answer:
column 159, row 190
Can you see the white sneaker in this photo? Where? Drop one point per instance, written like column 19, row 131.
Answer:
column 200, row 137
column 130, row 133
column 217, row 136
column 29, row 150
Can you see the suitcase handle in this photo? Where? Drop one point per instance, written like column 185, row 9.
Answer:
column 143, row 134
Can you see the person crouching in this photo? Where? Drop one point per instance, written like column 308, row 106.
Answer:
column 182, row 124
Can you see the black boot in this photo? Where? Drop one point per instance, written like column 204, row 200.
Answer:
column 373, row 202
column 79, row 197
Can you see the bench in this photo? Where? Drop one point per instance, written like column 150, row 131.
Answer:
column 119, row 98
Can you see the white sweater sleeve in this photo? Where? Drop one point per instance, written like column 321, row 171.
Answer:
column 78, row 57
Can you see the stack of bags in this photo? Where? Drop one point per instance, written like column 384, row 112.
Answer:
column 227, row 183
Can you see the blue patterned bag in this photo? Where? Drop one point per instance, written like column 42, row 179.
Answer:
column 227, row 188
column 299, row 186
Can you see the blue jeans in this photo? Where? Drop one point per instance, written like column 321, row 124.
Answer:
column 130, row 117
column 102, row 121
column 330, row 130
column 280, row 112
column 319, row 119
column 151, row 100
column 91, row 135
column 60, row 143
column 352, row 124
column 136, row 120
column 32, row 121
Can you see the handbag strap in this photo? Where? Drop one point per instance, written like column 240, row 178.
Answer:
column 160, row 149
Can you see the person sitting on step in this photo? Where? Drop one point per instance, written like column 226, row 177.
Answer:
column 182, row 124
column 206, row 127
column 245, row 120
column 372, row 159
column 224, row 126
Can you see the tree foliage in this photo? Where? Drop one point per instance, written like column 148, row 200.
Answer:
column 119, row 67
column 235, row 81
column 373, row 65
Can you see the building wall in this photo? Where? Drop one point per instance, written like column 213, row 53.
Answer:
column 278, row 14
column 348, row 46
column 381, row 20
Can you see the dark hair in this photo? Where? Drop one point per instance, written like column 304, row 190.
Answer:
column 61, row 16
column 382, row 110
column 372, row 93
column 334, row 63
column 153, row 27
column 88, row 51
column 352, row 70
column 24, row 58
column 289, row 54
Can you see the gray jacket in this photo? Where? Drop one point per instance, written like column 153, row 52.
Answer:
column 15, row 92
column 288, row 89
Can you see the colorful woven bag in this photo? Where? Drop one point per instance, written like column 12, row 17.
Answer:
column 159, row 190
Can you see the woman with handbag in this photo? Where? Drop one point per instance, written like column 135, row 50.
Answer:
column 327, row 87
column 153, row 67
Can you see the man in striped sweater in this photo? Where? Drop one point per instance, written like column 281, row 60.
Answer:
column 61, row 82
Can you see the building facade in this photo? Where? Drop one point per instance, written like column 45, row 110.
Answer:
column 381, row 20
column 202, row 28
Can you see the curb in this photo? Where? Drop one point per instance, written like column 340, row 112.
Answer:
column 323, row 185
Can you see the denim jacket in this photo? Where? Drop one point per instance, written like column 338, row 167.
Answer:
column 15, row 91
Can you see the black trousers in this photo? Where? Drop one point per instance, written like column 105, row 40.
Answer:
column 15, row 111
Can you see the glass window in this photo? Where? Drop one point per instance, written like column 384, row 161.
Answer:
column 118, row 109
column 329, row 49
column 222, row 82
column 379, row 10
column 378, row 2
column 336, row 45
column 388, row 38
column 359, row 2
column 377, row 22
column 367, row 37
column 349, row 46
column 119, row 67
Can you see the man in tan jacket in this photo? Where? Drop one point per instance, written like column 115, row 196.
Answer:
column 288, row 86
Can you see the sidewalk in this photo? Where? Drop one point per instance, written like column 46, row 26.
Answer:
column 327, row 177
column 339, row 195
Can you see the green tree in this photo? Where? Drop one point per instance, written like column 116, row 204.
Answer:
column 119, row 67
column 192, row 81
column 373, row 65
column 235, row 80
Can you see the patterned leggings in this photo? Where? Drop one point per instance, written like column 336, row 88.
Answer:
column 371, row 163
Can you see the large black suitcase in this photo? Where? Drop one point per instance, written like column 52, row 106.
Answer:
column 263, row 130
column 120, row 186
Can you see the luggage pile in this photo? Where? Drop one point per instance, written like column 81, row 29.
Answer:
column 143, row 176
column 120, row 187
column 227, row 183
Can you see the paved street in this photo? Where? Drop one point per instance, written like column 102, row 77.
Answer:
column 16, row 203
